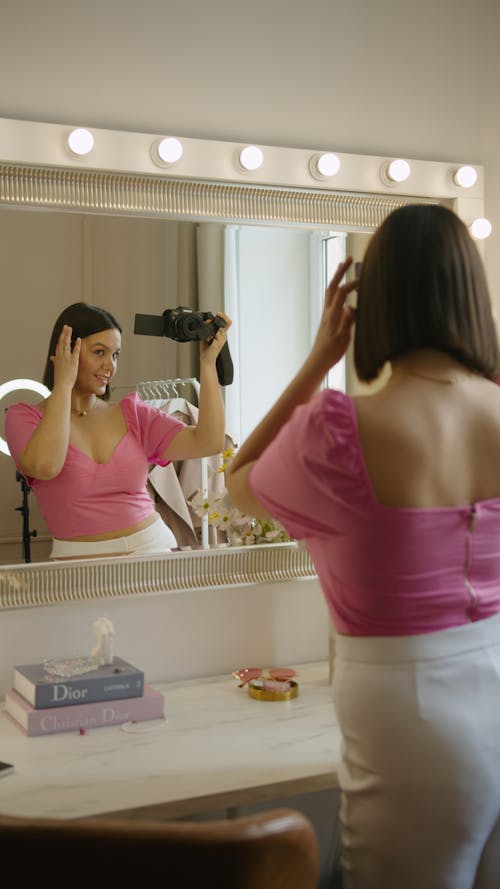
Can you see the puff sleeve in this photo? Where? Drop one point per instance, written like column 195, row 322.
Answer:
column 312, row 474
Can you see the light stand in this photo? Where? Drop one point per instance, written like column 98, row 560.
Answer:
column 24, row 508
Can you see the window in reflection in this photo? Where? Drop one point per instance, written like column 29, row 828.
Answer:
column 334, row 251
column 274, row 287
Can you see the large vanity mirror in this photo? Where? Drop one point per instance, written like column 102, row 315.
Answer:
column 260, row 246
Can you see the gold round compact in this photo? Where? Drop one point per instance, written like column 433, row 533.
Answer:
column 270, row 690
column 275, row 684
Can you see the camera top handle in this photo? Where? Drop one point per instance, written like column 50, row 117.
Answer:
column 223, row 362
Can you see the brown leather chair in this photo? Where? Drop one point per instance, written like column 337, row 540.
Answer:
column 271, row 850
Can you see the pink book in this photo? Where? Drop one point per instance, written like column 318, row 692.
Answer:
column 83, row 716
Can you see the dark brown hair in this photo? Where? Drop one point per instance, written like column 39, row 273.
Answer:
column 84, row 320
column 423, row 285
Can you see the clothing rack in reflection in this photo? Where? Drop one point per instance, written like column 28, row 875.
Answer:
column 159, row 390
column 155, row 392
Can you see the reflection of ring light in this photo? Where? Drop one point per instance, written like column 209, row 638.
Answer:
column 11, row 386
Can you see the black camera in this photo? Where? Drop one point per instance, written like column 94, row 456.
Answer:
column 185, row 325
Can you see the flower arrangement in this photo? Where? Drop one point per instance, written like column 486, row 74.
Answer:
column 240, row 529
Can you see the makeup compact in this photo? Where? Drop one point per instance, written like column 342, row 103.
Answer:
column 275, row 684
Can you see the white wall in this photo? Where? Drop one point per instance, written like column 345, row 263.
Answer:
column 178, row 635
column 387, row 77
column 394, row 77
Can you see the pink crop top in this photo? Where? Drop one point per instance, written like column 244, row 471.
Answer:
column 384, row 570
column 94, row 498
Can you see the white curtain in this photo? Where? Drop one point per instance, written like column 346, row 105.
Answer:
column 231, row 296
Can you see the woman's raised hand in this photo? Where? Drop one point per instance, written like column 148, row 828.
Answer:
column 334, row 332
column 209, row 351
column 66, row 360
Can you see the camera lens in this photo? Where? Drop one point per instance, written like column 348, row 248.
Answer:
column 188, row 325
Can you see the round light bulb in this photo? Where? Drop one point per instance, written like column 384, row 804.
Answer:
column 481, row 228
column 398, row 170
column 465, row 176
column 80, row 141
column 251, row 157
column 169, row 150
column 327, row 164
column 12, row 386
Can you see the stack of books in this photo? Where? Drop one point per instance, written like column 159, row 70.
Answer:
column 41, row 703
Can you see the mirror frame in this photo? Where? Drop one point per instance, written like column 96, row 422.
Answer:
column 120, row 176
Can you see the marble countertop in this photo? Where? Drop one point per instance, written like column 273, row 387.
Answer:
column 217, row 749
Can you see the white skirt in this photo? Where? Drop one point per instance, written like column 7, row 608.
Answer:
column 156, row 538
column 420, row 771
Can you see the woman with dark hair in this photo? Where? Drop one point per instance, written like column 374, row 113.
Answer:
column 84, row 320
column 87, row 459
column 397, row 497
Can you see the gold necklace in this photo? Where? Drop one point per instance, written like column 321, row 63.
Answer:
column 82, row 413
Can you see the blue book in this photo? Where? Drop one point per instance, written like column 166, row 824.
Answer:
column 108, row 683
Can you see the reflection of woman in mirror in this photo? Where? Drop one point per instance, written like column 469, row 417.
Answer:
column 397, row 496
column 86, row 458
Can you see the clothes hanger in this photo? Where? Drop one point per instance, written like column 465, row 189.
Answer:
column 157, row 392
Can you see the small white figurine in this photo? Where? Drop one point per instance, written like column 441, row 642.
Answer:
column 104, row 631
